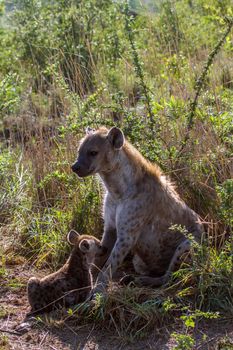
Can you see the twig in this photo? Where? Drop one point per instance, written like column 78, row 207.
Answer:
column 52, row 347
column 207, row 342
column 200, row 82
column 10, row 332
column 43, row 339
column 137, row 64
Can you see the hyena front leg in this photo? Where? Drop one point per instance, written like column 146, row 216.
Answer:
column 107, row 242
column 179, row 256
column 121, row 248
column 129, row 225
column 109, row 237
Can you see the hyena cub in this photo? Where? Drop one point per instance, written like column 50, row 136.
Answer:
column 72, row 282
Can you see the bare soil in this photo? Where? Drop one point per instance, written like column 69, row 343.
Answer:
column 63, row 336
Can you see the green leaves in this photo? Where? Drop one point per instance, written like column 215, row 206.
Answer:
column 10, row 91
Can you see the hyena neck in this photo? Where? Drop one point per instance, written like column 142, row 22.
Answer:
column 126, row 172
column 77, row 266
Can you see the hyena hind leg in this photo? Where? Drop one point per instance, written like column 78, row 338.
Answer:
column 179, row 256
column 139, row 266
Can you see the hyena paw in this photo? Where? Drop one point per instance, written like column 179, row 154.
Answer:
column 99, row 290
column 93, row 299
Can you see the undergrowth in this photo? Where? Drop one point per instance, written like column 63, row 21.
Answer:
column 198, row 292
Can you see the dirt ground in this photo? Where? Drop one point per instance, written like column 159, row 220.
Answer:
column 14, row 306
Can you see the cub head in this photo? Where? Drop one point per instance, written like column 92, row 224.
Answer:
column 88, row 245
column 98, row 151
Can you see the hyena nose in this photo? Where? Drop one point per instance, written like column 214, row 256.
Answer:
column 75, row 167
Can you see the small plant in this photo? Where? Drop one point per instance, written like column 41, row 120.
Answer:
column 3, row 312
column 10, row 90
column 184, row 341
column 4, row 342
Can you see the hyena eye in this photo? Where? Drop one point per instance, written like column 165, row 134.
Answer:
column 93, row 153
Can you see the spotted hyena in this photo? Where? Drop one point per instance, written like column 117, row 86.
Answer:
column 72, row 283
column 140, row 207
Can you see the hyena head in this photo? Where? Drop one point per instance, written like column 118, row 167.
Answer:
column 98, row 151
column 90, row 246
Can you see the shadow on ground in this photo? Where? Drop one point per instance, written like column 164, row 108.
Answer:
column 63, row 335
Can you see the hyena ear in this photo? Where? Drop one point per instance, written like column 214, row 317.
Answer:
column 84, row 246
column 116, row 137
column 89, row 130
column 72, row 236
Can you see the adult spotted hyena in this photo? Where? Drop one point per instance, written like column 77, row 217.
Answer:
column 72, row 283
column 140, row 207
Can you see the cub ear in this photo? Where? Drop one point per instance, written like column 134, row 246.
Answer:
column 84, row 246
column 89, row 130
column 72, row 236
column 116, row 137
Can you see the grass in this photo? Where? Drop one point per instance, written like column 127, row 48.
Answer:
column 198, row 293
column 4, row 342
column 202, row 290
column 225, row 344
column 3, row 312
